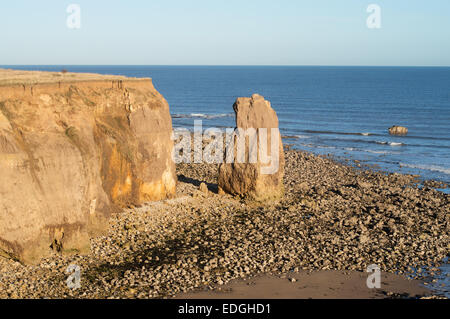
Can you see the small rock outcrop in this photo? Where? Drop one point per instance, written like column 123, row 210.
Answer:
column 204, row 188
column 73, row 149
column 398, row 130
column 260, row 179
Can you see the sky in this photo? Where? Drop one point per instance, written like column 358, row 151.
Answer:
column 225, row 32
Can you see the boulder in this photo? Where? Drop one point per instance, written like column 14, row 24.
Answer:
column 398, row 130
column 260, row 179
column 204, row 188
column 73, row 150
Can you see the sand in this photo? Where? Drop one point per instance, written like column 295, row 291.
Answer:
column 313, row 285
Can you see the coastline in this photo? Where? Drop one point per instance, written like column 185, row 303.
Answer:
column 325, row 284
column 333, row 217
column 347, row 158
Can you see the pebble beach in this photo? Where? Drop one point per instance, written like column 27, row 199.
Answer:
column 334, row 217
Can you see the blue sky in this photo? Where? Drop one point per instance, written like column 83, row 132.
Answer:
column 226, row 32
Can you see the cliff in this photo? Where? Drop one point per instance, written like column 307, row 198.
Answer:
column 75, row 148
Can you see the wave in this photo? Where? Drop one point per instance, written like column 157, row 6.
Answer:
column 427, row 138
column 296, row 137
column 433, row 168
column 339, row 133
column 202, row 115
column 379, row 152
column 319, row 146
column 352, row 149
column 363, row 141
column 389, row 143
column 404, row 144
column 377, row 134
column 349, row 149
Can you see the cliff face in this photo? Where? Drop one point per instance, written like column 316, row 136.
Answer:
column 71, row 153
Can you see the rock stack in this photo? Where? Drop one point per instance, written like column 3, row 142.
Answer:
column 260, row 176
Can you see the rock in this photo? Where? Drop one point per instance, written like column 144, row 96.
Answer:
column 203, row 188
column 255, row 180
column 304, row 187
column 71, row 153
column 363, row 185
column 398, row 130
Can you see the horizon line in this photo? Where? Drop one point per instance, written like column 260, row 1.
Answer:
column 236, row 65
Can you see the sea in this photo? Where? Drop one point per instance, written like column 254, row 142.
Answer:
column 341, row 111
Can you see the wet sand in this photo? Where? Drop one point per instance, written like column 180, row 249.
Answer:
column 313, row 285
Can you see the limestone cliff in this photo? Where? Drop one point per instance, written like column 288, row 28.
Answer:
column 73, row 149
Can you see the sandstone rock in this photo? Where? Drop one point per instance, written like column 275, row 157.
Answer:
column 363, row 185
column 73, row 152
column 398, row 130
column 259, row 180
column 204, row 188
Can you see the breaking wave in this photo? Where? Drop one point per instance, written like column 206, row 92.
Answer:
column 389, row 143
column 433, row 168
column 339, row 133
column 202, row 115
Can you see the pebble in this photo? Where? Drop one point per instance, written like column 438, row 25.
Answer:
column 333, row 216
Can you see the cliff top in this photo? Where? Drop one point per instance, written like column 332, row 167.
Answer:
column 17, row 77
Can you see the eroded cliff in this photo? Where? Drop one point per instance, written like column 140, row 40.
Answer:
column 75, row 148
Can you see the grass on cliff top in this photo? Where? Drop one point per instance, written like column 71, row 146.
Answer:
column 15, row 77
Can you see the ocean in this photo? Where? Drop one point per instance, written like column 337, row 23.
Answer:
column 343, row 111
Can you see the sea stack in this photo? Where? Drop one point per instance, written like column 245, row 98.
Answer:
column 73, row 149
column 260, row 179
